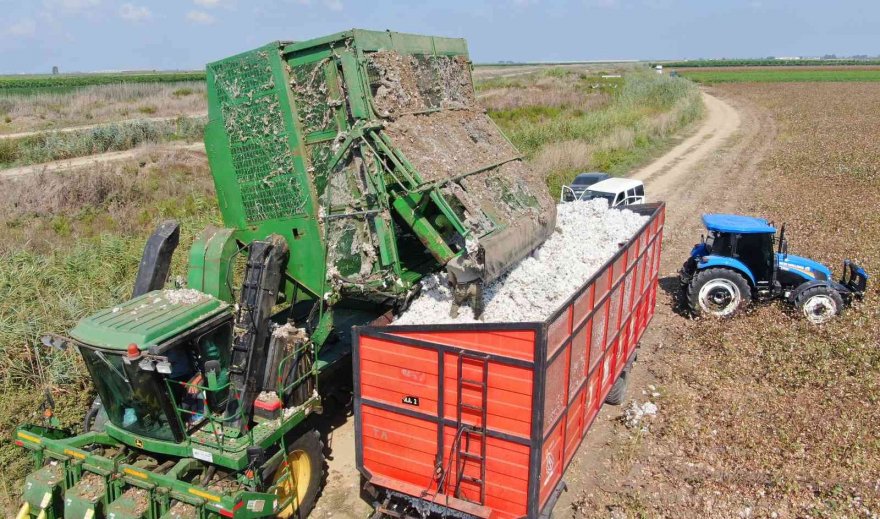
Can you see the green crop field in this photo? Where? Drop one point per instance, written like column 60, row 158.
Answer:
column 702, row 63
column 60, row 82
column 779, row 75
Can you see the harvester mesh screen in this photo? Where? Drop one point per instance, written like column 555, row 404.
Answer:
column 309, row 85
column 257, row 138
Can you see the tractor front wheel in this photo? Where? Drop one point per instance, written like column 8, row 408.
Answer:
column 819, row 304
column 718, row 292
column 300, row 476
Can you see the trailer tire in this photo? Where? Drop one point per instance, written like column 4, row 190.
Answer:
column 306, row 457
column 617, row 394
column 819, row 304
column 718, row 292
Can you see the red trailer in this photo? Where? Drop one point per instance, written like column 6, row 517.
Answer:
column 481, row 420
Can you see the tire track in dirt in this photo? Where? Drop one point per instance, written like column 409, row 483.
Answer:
column 713, row 171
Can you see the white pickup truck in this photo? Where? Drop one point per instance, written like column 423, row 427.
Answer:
column 617, row 191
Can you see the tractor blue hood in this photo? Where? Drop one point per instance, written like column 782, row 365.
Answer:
column 805, row 267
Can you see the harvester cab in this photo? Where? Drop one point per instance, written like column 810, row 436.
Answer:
column 742, row 258
column 346, row 167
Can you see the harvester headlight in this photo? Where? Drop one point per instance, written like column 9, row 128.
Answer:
column 146, row 365
column 163, row 367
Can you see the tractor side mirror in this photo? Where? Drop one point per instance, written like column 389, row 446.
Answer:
column 784, row 247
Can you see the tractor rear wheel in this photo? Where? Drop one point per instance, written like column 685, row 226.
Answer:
column 718, row 292
column 819, row 304
column 300, row 475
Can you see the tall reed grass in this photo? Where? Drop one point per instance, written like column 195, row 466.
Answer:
column 99, row 104
column 562, row 136
column 49, row 146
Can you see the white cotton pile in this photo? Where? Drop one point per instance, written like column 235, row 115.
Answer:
column 587, row 235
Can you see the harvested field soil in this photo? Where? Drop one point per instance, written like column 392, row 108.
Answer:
column 92, row 486
column 181, row 510
column 139, row 498
column 763, row 415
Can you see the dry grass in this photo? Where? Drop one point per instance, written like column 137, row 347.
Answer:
column 566, row 122
column 546, row 92
column 72, row 242
column 44, row 212
column 100, row 104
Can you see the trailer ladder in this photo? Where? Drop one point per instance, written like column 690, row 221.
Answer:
column 469, row 432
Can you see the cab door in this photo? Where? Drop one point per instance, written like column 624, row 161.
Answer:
column 640, row 195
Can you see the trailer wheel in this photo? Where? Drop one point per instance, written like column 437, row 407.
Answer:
column 819, row 304
column 305, row 457
column 618, row 391
column 718, row 292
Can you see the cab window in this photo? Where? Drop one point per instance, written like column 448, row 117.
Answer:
column 640, row 190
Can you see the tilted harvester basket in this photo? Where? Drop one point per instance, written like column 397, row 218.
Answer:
column 483, row 419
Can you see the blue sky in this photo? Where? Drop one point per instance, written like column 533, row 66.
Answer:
column 91, row 35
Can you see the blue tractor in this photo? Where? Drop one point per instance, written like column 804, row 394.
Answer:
column 736, row 263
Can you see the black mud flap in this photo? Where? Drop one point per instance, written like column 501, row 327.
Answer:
column 156, row 261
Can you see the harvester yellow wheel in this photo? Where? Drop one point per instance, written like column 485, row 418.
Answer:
column 299, row 476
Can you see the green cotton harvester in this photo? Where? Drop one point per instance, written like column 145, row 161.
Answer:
column 347, row 168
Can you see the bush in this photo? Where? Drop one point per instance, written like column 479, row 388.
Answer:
column 6, row 106
column 181, row 92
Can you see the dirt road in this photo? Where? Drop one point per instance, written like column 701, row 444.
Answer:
column 68, row 164
column 69, row 129
column 712, row 168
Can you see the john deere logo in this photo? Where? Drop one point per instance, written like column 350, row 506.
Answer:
column 138, row 443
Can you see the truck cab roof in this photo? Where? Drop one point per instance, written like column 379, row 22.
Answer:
column 737, row 224
column 589, row 178
column 615, row 185
column 147, row 320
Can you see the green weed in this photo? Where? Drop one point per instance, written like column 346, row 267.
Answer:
column 47, row 147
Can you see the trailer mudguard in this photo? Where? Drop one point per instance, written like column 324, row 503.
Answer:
column 724, row 262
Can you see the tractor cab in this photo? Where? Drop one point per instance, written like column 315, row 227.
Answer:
column 150, row 357
column 742, row 257
column 742, row 242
